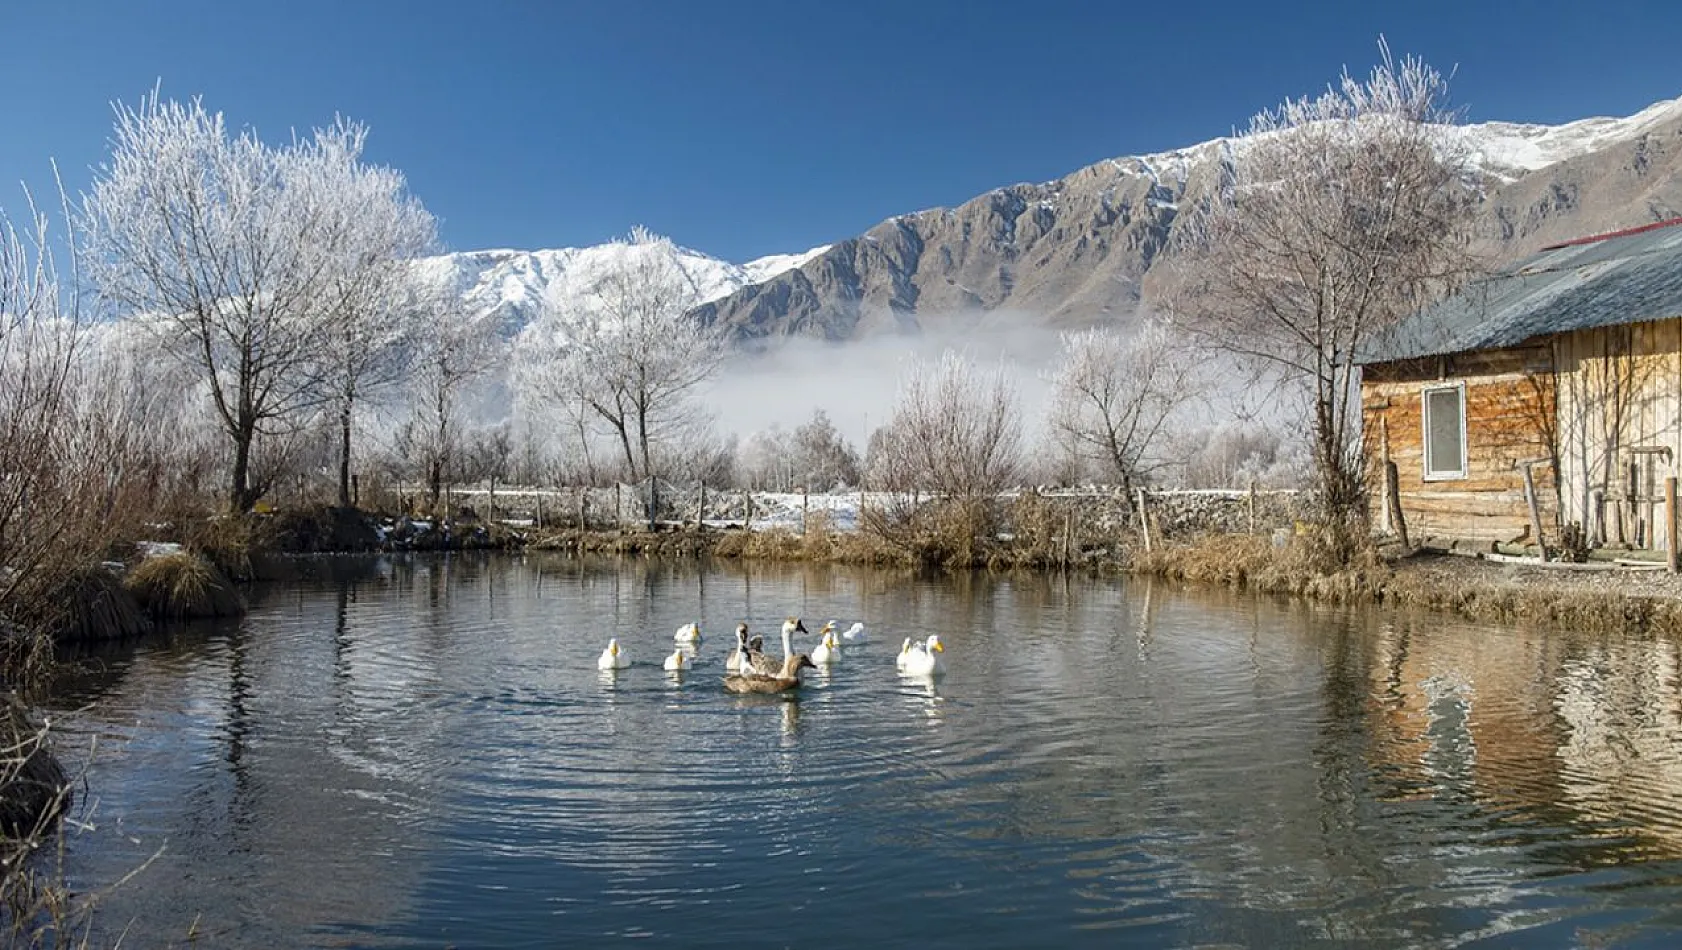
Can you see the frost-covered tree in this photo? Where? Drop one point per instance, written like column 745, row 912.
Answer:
column 1114, row 394
column 1339, row 214
column 955, row 431
column 236, row 254
column 822, row 457
column 630, row 359
column 453, row 350
column 371, row 230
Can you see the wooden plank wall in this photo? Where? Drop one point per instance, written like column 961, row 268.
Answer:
column 1620, row 398
column 1509, row 403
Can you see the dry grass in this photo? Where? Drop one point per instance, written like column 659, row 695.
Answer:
column 89, row 605
column 34, row 794
column 688, row 543
column 183, row 586
column 1304, row 568
column 229, row 541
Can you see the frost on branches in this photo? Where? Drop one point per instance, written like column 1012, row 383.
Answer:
column 626, row 364
column 1338, row 215
column 269, row 269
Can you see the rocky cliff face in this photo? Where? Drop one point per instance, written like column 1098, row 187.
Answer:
column 1081, row 248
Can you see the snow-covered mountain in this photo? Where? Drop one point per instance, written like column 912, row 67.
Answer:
column 1083, row 246
column 510, row 286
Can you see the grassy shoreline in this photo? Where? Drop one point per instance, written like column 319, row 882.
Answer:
column 1474, row 589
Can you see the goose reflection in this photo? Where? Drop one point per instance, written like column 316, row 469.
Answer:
column 922, row 692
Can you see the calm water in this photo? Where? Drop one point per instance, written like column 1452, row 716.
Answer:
column 420, row 752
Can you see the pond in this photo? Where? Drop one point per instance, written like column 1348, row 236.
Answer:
column 420, row 752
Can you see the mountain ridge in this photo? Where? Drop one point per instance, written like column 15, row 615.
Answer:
column 1082, row 247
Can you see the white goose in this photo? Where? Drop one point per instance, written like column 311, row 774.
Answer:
column 925, row 659
column 904, row 653
column 613, row 658
column 688, row 633
column 854, row 633
column 678, row 661
column 829, row 650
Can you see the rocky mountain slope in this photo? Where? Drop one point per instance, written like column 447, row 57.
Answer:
column 509, row 287
column 1079, row 248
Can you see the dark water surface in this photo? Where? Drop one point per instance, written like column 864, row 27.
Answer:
column 419, row 752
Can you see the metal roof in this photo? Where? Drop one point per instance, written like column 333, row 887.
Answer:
column 1626, row 277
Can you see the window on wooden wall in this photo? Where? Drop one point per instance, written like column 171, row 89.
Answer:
column 1445, row 431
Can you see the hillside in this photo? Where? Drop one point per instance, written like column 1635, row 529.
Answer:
column 1082, row 247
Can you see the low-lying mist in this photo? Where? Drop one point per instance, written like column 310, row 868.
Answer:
column 856, row 383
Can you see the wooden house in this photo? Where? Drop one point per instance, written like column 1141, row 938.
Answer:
column 1566, row 366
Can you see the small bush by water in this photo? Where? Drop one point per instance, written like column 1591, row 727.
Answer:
column 183, row 586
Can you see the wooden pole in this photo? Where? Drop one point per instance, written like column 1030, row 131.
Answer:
column 653, row 502
column 1144, row 521
column 1672, row 559
column 1393, row 504
column 1535, row 512
column 805, row 509
column 1252, row 506
column 747, row 509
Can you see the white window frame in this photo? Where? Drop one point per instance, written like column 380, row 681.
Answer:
column 1441, row 475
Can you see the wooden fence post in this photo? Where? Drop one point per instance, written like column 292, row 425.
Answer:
column 1535, row 511
column 1393, row 504
column 1252, row 506
column 805, row 509
column 1672, row 560
column 1144, row 521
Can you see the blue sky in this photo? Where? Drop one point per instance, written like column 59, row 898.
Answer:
column 751, row 128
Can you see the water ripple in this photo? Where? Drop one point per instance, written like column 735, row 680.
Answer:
column 424, row 753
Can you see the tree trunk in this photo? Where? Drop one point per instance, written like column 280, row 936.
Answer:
column 344, row 456
column 239, row 493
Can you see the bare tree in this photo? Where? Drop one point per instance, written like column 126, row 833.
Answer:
column 631, row 358
column 954, row 431
column 371, row 230
column 1339, row 215
column 1113, row 395
column 824, row 458
column 232, row 252
column 38, row 359
column 453, row 350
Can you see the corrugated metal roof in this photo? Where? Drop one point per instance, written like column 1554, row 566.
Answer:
column 1631, row 277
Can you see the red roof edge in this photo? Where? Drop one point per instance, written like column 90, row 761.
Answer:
column 1626, row 232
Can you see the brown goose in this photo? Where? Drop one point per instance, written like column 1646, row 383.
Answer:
column 787, row 678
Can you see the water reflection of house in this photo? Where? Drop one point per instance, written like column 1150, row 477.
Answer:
column 1567, row 364
column 1464, row 709
column 1534, row 725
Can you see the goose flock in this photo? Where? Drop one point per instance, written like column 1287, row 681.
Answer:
column 749, row 669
